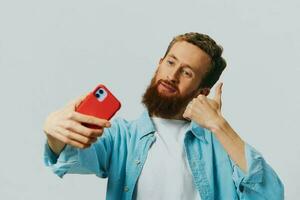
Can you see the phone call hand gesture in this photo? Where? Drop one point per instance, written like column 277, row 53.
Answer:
column 206, row 111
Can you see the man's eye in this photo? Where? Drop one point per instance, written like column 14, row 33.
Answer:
column 170, row 62
column 186, row 73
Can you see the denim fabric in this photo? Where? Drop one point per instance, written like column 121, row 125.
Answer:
column 120, row 153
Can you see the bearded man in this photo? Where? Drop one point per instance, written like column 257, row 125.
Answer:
column 181, row 147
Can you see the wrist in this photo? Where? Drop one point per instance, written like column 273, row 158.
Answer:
column 55, row 145
column 220, row 125
column 223, row 131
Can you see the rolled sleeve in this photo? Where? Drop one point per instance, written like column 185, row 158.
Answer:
column 60, row 165
column 72, row 160
column 254, row 173
column 50, row 157
column 260, row 180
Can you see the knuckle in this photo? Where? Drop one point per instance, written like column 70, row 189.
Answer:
column 68, row 134
column 89, row 132
column 99, row 122
column 85, row 141
column 68, row 124
column 68, row 115
column 201, row 97
column 200, row 100
column 192, row 106
column 73, row 113
column 189, row 114
column 93, row 118
column 66, row 140
column 89, row 120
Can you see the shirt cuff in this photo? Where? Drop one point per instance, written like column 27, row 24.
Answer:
column 50, row 157
column 62, row 163
column 254, row 172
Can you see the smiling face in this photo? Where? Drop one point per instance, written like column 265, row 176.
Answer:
column 177, row 80
column 181, row 70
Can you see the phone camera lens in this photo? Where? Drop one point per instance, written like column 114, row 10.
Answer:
column 101, row 94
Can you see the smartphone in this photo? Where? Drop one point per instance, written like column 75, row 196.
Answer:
column 100, row 103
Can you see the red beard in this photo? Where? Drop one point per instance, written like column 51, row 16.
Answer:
column 165, row 106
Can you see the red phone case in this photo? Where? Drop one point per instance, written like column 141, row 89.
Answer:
column 104, row 109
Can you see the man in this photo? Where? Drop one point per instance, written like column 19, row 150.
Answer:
column 180, row 148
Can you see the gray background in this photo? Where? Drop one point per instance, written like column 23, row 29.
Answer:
column 54, row 51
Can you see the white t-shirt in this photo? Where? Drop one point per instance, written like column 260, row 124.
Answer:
column 166, row 173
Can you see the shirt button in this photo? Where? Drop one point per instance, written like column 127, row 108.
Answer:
column 137, row 162
column 126, row 189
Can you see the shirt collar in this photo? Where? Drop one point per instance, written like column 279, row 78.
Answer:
column 146, row 127
column 198, row 131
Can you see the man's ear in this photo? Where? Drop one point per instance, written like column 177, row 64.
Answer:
column 203, row 91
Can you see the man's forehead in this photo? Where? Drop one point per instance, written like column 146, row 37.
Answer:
column 189, row 54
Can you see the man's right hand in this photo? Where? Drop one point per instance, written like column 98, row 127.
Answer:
column 65, row 127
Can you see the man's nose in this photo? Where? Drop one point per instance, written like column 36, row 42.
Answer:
column 173, row 76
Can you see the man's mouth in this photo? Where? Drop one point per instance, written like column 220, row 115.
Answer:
column 168, row 87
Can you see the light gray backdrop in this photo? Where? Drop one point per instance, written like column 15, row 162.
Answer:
column 54, row 51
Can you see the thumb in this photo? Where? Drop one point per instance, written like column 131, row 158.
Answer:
column 218, row 93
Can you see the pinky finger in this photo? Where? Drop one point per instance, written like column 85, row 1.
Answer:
column 68, row 141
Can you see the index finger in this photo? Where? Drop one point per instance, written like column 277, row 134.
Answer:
column 89, row 119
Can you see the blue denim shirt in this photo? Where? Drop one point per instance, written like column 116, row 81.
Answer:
column 120, row 153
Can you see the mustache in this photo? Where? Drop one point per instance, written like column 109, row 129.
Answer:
column 169, row 83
